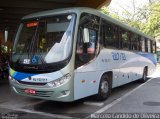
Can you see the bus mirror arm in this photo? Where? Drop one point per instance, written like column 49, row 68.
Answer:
column 85, row 35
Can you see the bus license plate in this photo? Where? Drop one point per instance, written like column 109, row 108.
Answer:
column 30, row 91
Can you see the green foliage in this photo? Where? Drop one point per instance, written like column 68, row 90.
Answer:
column 152, row 26
column 105, row 10
column 146, row 18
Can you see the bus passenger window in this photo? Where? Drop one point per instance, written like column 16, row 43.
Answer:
column 108, row 34
column 134, row 42
column 124, row 40
column 154, row 47
column 139, row 43
column 149, row 46
column 143, row 44
column 146, row 45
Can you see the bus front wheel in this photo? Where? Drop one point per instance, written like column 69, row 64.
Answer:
column 104, row 88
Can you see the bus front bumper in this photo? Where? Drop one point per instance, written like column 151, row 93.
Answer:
column 62, row 93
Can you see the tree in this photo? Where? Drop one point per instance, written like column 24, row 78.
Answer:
column 127, row 16
column 105, row 10
column 145, row 18
column 152, row 26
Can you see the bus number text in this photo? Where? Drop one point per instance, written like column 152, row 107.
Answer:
column 118, row 56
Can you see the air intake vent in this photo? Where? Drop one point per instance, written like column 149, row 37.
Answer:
column 31, row 83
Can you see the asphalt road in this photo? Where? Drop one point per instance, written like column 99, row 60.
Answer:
column 131, row 98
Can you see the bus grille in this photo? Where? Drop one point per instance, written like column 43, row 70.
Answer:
column 31, row 83
column 38, row 93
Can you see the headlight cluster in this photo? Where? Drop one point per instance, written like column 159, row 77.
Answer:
column 60, row 81
column 12, row 79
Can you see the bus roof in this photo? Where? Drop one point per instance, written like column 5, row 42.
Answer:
column 79, row 10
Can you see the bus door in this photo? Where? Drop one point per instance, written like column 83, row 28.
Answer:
column 85, row 83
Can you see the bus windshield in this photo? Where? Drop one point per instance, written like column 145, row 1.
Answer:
column 44, row 40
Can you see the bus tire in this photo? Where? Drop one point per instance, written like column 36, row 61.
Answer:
column 144, row 77
column 104, row 88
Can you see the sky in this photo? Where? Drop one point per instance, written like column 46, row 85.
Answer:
column 126, row 3
column 119, row 5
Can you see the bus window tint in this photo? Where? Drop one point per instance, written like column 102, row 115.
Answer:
column 143, row 44
column 146, row 45
column 154, row 47
column 108, row 34
column 139, row 43
column 124, row 36
column 86, row 51
column 149, row 46
column 134, row 42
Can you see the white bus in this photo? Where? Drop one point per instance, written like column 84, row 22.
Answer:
column 68, row 54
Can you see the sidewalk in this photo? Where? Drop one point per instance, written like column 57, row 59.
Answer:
column 146, row 99
column 142, row 100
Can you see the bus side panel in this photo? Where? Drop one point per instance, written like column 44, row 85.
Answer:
column 119, row 63
column 115, row 78
column 87, row 77
column 135, row 73
column 125, row 66
column 86, row 80
column 129, row 68
column 147, row 60
column 85, row 84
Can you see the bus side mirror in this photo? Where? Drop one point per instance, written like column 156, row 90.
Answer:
column 85, row 35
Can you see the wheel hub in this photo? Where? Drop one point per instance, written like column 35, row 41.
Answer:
column 104, row 87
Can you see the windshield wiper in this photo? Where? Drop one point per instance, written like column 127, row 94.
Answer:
column 29, row 47
column 32, row 50
column 33, row 41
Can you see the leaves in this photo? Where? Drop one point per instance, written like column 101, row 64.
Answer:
column 105, row 10
column 153, row 23
column 145, row 18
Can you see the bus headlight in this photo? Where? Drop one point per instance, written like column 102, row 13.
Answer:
column 60, row 81
column 12, row 79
